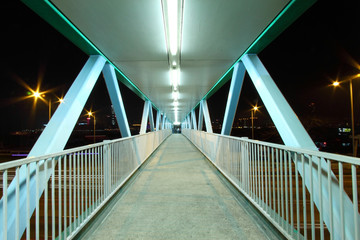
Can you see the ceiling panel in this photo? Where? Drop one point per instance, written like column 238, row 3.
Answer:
column 131, row 35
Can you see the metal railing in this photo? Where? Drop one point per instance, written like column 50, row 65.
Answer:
column 81, row 181
column 271, row 176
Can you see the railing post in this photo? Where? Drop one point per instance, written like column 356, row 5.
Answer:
column 107, row 167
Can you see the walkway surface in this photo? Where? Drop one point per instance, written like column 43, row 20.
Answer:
column 178, row 194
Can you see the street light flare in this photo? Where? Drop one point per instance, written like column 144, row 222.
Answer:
column 336, row 83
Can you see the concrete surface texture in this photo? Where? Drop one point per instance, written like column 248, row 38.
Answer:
column 178, row 194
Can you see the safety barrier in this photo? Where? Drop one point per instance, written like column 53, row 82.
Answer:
column 81, row 181
column 289, row 186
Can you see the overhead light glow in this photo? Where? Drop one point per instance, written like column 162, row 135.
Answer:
column 174, row 77
column 172, row 18
column 175, row 95
column 176, row 103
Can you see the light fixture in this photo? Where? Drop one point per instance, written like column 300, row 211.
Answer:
column 176, row 103
column 174, row 77
column 175, row 95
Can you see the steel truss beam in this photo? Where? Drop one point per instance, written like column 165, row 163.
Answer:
column 294, row 134
column 233, row 97
column 116, row 99
column 53, row 139
column 147, row 115
column 193, row 120
column 204, row 113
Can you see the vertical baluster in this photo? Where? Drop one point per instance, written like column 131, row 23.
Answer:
column 82, row 205
column 262, row 177
column 97, row 176
column 59, row 197
column 78, row 185
column 92, row 178
column 266, row 178
column 269, row 177
column 46, row 199
column 331, row 228
column 273, row 180
column 37, row 199
column 286, row 192
column 355, row 199
column 28, row 216
column 291, row 193
column 17, row 207
column 75, row 187
column 320, row 201
column 65, row 196
column 53, row 198
column 341, row 196
column 281, row 153
column 304, row 195
column 70, row 194
column 297, row 196
column 5, row 198
column 86, row 156
column 312, row 214
column 278, row 184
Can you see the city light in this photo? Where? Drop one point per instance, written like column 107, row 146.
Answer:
column 336, row 83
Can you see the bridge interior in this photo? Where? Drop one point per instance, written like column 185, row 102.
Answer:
column 174, row 55
column 179, row 194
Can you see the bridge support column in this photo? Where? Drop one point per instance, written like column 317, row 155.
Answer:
column 116, row 99
column 294, row 134
column 233, row 97
column 53, row 139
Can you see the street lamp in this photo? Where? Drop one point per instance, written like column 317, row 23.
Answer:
column 37, row 94
column 253, row 110
column 91, row 114
column 337, row 83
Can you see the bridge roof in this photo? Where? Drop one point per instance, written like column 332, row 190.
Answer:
column 133, row 36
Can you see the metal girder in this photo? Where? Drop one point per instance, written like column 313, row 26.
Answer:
column 158, row 119
column 193, row 120
column 151, row 118
column 53, row 139
column 201, row 116
column 294, row 134
column 233, row 97
column 116, row 99
column 145, row 117
column 205, row 111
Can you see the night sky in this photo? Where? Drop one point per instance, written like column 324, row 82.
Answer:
column 322, row 45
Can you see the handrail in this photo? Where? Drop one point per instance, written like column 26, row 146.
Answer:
column 303, row 193
column 81, row 181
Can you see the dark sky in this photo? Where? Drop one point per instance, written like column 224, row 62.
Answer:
column 321, row 45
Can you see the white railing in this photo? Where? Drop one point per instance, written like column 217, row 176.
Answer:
column 81, row 181
column 271, row 177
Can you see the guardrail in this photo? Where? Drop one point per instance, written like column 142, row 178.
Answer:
column 81, row 181
column 276, row 180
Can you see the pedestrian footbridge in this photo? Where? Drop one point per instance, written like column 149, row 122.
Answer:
column 175, row 54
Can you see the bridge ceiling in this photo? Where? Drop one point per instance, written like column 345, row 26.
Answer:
column 131, row 34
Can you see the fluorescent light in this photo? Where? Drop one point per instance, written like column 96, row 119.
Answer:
column 172, row 15
column 174, row 77
column 175, row 95
column 176, row 103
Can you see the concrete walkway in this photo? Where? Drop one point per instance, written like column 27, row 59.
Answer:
column 178, row 194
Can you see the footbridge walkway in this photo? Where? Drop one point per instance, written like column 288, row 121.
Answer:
column 174, row 55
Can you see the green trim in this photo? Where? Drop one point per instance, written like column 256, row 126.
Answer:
column 48, row 11
column 285, row 18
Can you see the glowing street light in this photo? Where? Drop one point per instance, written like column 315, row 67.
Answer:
column 253, row 110
column 336, row 84
column 91, row 114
